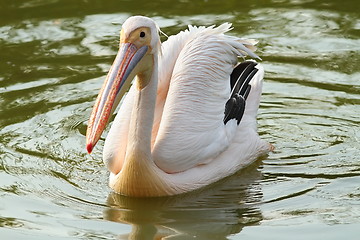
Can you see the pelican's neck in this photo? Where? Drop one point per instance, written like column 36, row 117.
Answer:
column 142, row 116
column 139, row 175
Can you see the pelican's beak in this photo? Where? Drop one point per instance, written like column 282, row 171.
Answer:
column 116, row 84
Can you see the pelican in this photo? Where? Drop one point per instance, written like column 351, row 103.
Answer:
column 189, row 117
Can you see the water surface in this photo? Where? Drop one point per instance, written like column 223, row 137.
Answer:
column 54, row 56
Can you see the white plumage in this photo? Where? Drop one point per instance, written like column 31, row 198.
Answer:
column 169, row 137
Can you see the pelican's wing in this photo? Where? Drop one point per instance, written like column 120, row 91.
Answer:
column 192, row 131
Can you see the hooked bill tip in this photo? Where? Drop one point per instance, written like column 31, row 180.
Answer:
column 89, row 147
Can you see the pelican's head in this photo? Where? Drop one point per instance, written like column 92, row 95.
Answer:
column 139, row 44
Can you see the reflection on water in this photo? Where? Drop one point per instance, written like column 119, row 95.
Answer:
column 54, row 56
column 215, row 212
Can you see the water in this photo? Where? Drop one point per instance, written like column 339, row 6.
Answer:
column 54, row 56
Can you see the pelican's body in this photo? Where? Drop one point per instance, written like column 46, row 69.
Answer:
column 169, row 136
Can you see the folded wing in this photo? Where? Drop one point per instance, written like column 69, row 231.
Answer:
column 191, row 128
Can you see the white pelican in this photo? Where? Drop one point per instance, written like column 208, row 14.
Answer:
column 188, row 120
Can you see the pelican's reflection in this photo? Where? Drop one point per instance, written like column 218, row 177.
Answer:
column 215, row 212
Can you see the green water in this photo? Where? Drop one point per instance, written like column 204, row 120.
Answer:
column 54, row 55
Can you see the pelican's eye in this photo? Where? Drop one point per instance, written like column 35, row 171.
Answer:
column 142, row 34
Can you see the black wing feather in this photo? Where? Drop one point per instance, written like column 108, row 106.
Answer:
column 240, row 89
